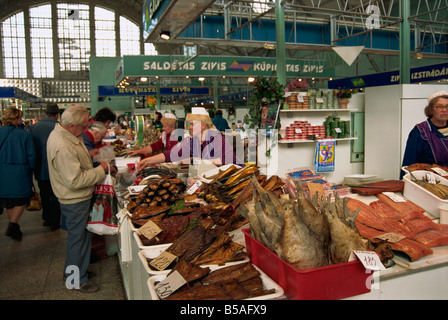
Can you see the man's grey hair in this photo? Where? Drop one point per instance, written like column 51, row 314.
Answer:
column 74, row 115
column 98, row 126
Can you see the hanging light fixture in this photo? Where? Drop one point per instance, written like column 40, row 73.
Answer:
column 165, row 35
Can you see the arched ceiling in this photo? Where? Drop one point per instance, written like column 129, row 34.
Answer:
column 428, row 16
column 131, row 9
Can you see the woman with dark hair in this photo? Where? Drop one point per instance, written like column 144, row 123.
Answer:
column 427, row 142
column 158, row 121
column 17, row 161
column 106, row 116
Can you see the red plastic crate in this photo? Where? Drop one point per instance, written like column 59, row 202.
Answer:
column 332, row 282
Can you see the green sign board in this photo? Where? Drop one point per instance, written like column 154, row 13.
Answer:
column 217, row 66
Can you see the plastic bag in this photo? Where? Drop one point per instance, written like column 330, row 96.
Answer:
column 105, row 153
column 103, row 209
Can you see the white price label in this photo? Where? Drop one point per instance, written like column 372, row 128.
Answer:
column 430, row 178
column 369, row 259
column 440, row 171
column 320, row 100
column 171, row 283
column 194, row 187
column 299, row 131
column 300, row 99
column 338, row 130
column 394, row 197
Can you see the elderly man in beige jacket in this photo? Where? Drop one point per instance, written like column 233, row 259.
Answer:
column 73, row 179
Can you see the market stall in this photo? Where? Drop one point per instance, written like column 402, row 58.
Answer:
column 16, row 97
column 181, row 226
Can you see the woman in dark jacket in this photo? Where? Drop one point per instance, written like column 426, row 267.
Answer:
column 428, row 140
column 17, row 161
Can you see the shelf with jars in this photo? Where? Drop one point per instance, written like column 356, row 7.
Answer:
column 302, row 131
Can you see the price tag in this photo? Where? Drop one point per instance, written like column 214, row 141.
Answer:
column 320, row 100
column 430, row 178
column 194, row 187
column 440, row 171
column 171, row 283
column 163, row 260
column 299, row 131
column 369, row 259
column 338, row 130
column 300, row 99
column 149, row 229
column 394, row 197
column 391, row 237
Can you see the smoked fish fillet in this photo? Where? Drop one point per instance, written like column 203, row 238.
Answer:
column 413, row 249
column 369, row 217
column 403, row 207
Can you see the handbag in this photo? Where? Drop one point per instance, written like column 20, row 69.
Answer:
column 35, row 204
column 103, row 208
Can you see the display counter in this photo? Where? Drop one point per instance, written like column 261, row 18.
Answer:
column 423, row 279
column 399, row 283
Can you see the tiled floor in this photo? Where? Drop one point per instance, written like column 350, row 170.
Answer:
column 32, row 269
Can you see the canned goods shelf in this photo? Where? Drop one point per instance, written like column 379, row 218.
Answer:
column 286, row 141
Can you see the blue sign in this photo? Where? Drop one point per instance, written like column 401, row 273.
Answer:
column 420, row 74
column 106, row 91
column 12, row 92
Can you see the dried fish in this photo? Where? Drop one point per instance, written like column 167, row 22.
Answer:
column 344, row 238
column 307, row 233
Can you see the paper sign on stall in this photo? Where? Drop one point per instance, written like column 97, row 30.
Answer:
column 369, row 259
column 194, row 187
column 390, row 237
column 394, row 197
column 171, row 283
column 440, row 171
column 149, row 229
column 163, row 260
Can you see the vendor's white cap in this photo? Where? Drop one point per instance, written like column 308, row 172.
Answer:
column 199, row 110
column 437, row 94
column 169, row 115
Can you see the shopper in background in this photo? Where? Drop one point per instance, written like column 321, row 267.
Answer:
column 51, row 212
column 427, row 142
column 93, row 136
column 166, row 141
column 17, row 162
column 204, row 142
column 73, row 179
column 122, row 122
column 106, row 116
column 220, row 123
column 158, row 121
